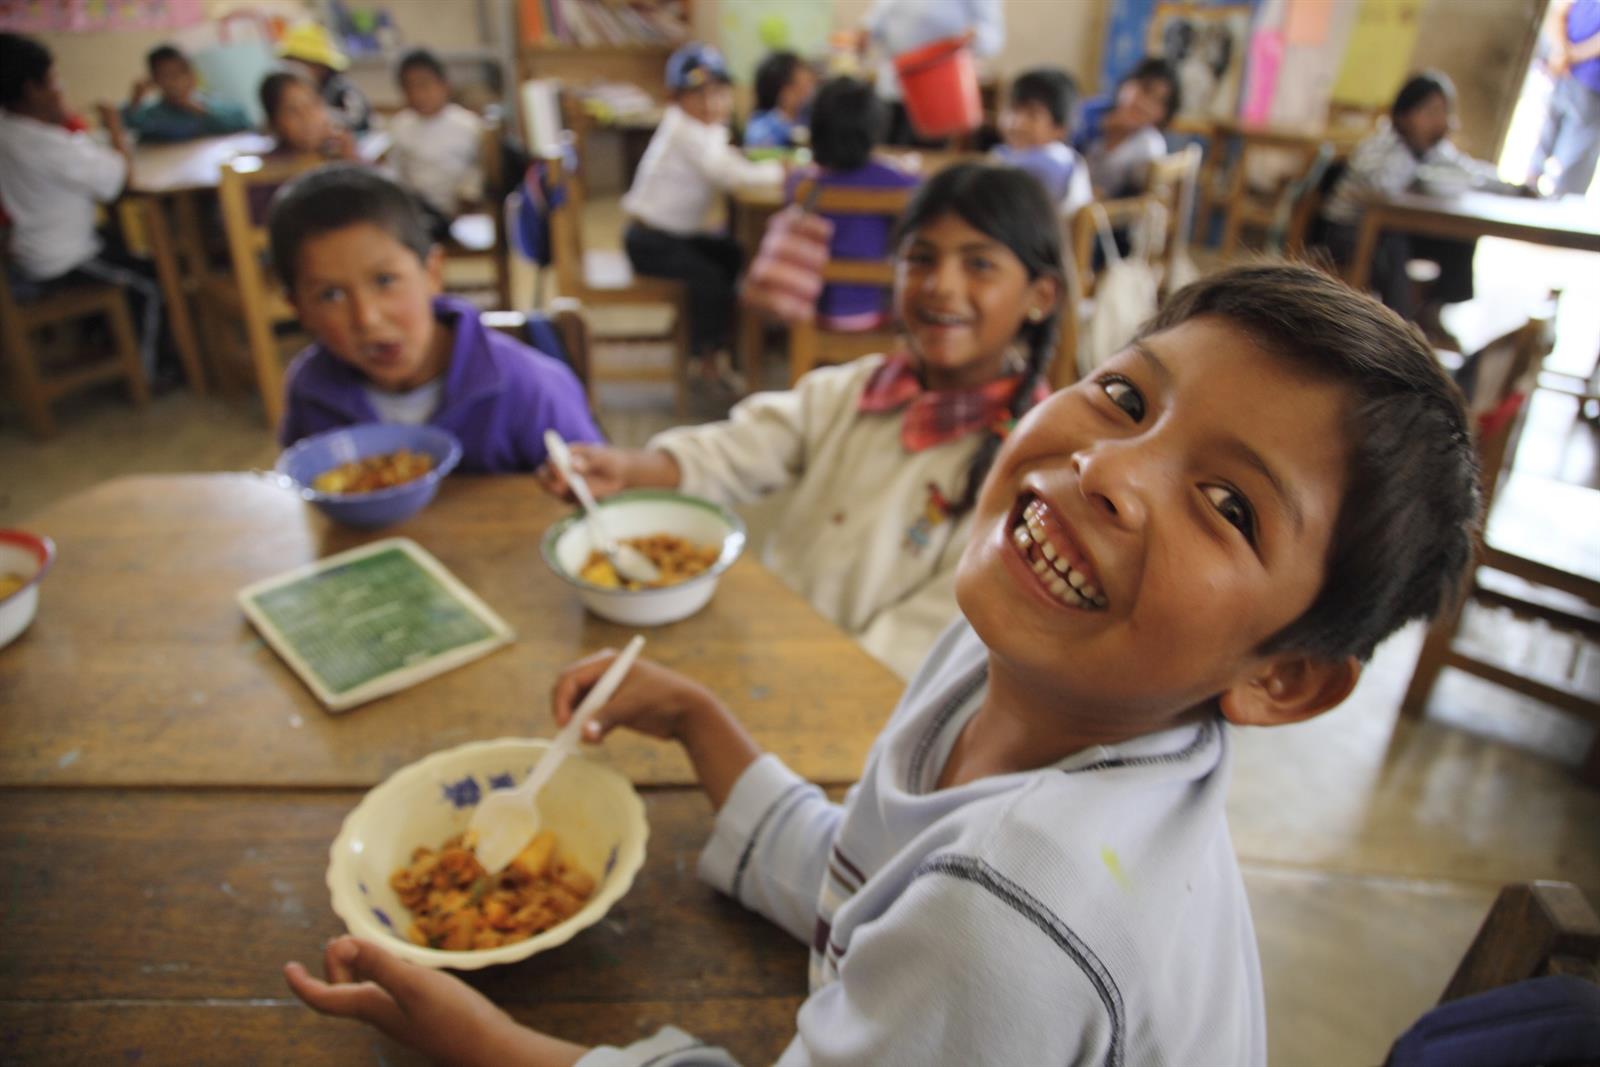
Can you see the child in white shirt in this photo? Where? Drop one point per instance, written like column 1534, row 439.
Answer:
column 52, row 180
column 884, row 455
column 1035, row 866
column 437, row 149
column 1037, row 126
column 689, row 162
column 1130, row 134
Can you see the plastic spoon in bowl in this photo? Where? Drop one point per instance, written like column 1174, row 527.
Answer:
column 630, row 564
column 507, row 819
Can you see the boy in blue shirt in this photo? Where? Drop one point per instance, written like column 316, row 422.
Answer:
column 784, row 84
column 1036, row 125
column 180, row 112
column 1213, row 530
column 358, row 263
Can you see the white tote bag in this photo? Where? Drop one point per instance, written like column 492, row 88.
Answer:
column 1126, row 292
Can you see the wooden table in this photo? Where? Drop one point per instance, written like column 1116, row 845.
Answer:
column 150, row 904
column 1563, row 223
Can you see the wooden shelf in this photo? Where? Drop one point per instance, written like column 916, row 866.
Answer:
column 556, row 48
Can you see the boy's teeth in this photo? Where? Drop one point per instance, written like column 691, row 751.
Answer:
column 1067, row 584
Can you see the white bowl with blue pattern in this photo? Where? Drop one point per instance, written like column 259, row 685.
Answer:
column 595, row 812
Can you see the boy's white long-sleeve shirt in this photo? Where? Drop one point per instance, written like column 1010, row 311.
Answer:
column 1089, row 912
column 862, row 537
column 687, row 163
column 50, row 181
column 439, row 157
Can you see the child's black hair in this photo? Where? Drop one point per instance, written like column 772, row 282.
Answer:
column 163, row 53
column 23, row 62
column 274, row 85
column 772, row 75
column 1155, row 69
column 1052, row 89
column 333, row 197
column 420, row 58
column 1418, row 89
column 1411, row 507
column 847, row 122
column 1009, row 206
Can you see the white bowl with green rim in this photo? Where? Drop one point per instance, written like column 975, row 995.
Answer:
column 642, row 513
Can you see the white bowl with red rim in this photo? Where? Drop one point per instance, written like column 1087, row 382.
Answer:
column 26, row 556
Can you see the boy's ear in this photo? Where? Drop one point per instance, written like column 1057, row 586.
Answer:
column 1289, row 689
column 434, row 266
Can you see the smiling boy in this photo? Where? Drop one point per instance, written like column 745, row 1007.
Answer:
column 1212, row 531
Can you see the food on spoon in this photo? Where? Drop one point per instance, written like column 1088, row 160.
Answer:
column 677, row 559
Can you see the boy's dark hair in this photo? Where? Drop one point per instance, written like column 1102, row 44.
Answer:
column 274, row 85
column 1419, row 88
column 1154, row 69
column 847, row 122
column 163, row 53
column 333, row 197
column 420, row 58
column 772, row 76
column 1411, row 508
column 1052, row 89
column 1011, row 207
column 23, row 62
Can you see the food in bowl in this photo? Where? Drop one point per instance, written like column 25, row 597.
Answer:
column 371, row 473
column 455, row 905
column 10, row 583
column 678, row 559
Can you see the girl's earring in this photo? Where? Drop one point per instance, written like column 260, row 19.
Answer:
column 1035, row 315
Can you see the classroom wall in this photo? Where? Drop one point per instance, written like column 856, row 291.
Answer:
column 1484, row 48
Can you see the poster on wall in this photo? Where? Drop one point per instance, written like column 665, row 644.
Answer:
column 80, row 16
column 1380, row 49
column 1207, row 44
column 1128, row 35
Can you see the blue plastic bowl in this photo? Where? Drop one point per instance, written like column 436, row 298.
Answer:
column 302, row 461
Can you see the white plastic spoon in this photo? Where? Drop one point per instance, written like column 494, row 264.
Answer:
column 631, row 564
column 507, row 819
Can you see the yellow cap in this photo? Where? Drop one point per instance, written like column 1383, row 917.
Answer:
column 309, row 42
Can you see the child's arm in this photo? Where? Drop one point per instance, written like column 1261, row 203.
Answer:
column 774, row 830
column 610, row 470
column 728, row 167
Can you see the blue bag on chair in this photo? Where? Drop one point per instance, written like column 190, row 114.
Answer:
column 1553, row 1020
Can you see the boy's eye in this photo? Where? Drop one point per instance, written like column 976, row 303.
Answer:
column 387, row 279
column 1233, row 508
column 919, row 259
column 328, row 296
column 980, row 264
column 1123, row 394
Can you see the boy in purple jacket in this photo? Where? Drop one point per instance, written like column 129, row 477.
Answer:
column 365, row 277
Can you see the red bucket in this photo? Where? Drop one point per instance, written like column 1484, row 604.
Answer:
column 940, row 84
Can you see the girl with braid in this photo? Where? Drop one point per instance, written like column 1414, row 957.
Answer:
column 884, row 456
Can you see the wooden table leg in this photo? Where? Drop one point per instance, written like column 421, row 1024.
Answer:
column 1360, row 268
column 174, row 293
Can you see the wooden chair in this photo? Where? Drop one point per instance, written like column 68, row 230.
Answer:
column 1247, row 207
column 606, row 279
column 38, row 386
column 249, row 295
column 1082, row 232
column 1533, row 929
column 479, row 236
column 566, row 315
column 809, row 344
column 1174, row 181
column 1521, row 572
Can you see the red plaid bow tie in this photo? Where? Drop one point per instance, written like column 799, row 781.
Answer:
column 934, row 416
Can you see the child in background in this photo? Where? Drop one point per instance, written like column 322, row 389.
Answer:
column 689, row 163
column 438, row 145
column 784, row 86
column 1035, row 866
column 299, row 120
column 847, row 122
column 179, row 113
column 1130, row 134
column 357, row 262
column 309, row 47
column 51, row 181
column 1036, row 125
column 1388, row 162
column 884, row 455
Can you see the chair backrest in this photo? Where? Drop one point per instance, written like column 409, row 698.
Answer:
column 1083, row 231
column 1500, row 376
column 1532, row 929
column 246, row 187
column 842, row 200
column 1173, row 179
column 566, row 232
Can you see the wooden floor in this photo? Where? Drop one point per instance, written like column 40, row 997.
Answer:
column 1371, row 849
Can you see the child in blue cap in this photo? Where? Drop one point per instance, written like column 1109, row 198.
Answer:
column 688, row 164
